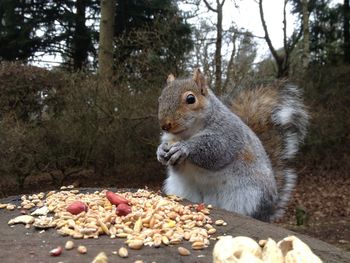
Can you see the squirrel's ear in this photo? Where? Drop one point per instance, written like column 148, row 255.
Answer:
column 200, row 81
column 170, row 78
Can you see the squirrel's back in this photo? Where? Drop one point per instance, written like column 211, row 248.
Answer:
column 278, row 116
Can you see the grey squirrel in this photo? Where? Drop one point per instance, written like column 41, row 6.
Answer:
column 231, row 156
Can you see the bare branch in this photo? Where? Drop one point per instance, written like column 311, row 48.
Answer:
column 230, row 63
column 209, row 6
column 267, row 37
column 285, row 26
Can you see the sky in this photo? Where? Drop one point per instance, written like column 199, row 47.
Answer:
column 247, row 16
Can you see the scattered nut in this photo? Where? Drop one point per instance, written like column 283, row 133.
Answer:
column 198, row 245
column 77, row 207
column 42, row 211
column 183, row 251
column 144, row 218
column 135, row 244
column 10, row 207
column 211, row 231
column 123, row 252
column 69, row 245
column 82, row 249
column 56, row 251
column 116, row 199
column 123, row 209
column 100, row 258
column 23, row 219
column 219, row 222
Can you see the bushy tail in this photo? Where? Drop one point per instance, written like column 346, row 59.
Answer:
column 278, row 116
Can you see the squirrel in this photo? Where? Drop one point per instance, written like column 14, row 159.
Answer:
column 233, row 156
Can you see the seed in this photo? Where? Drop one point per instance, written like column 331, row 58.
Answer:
column 187, row 235
column 104, row 227
column 138, row 225
column 198, row 245
column 82, row 249
column 172, row 215
column 69, row 245
column 183, row 251
column 123, row 252
column 157, row 242
column 136, row 244
column 165, row 240
column 211, row 231
column 56, row 251
column 219, row 222
column 100, row 258
column 262, row 242
column 175, row 241
column 77, row 235
column 10, row 207
column 122, row 235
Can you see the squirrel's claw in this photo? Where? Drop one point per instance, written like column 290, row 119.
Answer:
column 177, row 154
column 161, row 154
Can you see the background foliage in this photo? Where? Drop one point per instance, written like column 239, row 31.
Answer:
column 59, row 126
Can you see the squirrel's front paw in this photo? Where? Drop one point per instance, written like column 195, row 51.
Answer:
column 177, row 153
column 162, row 152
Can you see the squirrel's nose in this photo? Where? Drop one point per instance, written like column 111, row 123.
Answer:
column 166, row 126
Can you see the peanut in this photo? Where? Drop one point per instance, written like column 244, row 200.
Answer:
column 82, row 249
column 135, row 244
column 56, row 252
column 123, row 252
column 183, row 251
column 123, row 209
column 77, row 207
column 116, row 199
column 69, row 245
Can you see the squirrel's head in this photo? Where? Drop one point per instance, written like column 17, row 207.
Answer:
column 183, row 104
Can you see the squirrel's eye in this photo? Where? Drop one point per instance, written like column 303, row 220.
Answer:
column 190, row 99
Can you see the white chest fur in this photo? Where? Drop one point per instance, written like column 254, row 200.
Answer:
column 222, row 188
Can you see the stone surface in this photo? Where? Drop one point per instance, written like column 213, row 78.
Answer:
column 19, row 244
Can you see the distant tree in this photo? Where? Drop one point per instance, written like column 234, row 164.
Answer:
column 106, row 50
column 218, row 9
column 35, row 27
column 346, row 28
column 240, row 64
column 31, row 29
column 327, row 28
column 306, row 34
column 282, row 57
column 236, row 62
column 19, row 21
column 151, row 36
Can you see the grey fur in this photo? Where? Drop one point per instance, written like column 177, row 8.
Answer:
column 205, row 160
column 293, row 128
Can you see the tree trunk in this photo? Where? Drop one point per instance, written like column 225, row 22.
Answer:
column 105, row 53
column 81, row 39
column 218, row 43
column 282, row 60
column 346, row 9
column 218, row 47
column 306, row 34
